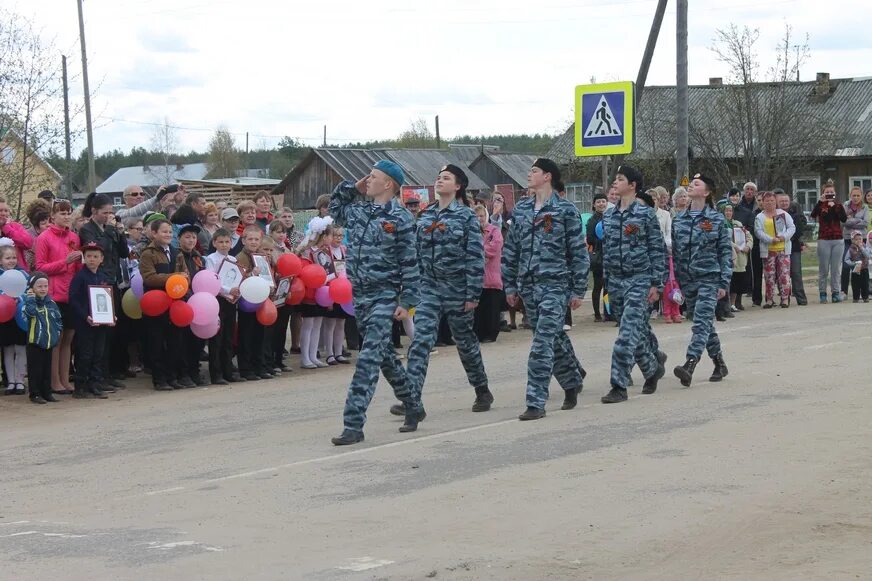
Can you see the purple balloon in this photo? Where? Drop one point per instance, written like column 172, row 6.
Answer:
column 136, row 284
column 348, row 308
column 322, row 296
column 206, row 331
column 248, row 307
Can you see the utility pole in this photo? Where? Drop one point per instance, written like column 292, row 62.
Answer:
column 325, row 137
column 681, row 152
column 653, row 34
column 247, row 157
column 92, row 174
column 438, row 139
column 68, row 172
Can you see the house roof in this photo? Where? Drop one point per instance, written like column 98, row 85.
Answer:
column 468, row 153
column 845, row 112
column 420, row 165
column 516, row 165
column 241, row 181
column 151, row 176
column 14, row 134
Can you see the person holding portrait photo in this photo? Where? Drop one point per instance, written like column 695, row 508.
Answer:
column 221, row 369
column 90, row 337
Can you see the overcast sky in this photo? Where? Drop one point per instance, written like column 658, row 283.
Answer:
column 366, row 69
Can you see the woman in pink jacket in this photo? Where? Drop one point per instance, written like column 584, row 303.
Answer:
column 18, row 233
column 58, row 255
column 487, row 314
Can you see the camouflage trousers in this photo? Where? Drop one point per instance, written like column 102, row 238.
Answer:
column 375, row 317
column 636, row 342
column 427, row 315
column 551, row 352
column 701, row 298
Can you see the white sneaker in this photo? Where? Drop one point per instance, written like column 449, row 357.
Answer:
column 733, row 309
column 567, row 327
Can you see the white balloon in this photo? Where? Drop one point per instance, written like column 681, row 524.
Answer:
column 13, row 283
column 254, row 289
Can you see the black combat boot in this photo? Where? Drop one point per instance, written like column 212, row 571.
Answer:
column 532, row 414
column 685, row 372
column 570, row 398
column 720, row 371
column 399, row 409
column 347, row 438
column 616, row 395
column 483, row 399
column 651, row 382
column 411, row 422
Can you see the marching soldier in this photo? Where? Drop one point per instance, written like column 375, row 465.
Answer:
column 451, row 260
column 545, row 262
column 634, row 260
column 383, row 269
column 702, row 250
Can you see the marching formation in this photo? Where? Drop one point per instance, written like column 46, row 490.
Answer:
column 431, row 266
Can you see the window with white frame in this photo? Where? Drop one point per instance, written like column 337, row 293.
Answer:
column 806, row 191
column 7, row 154
column 581, row 194
column 863, row 182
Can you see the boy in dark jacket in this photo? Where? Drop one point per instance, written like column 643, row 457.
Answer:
column 90, row 337
column 44, row 326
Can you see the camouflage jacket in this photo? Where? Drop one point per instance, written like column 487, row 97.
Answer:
column 381, row 253
column 450, row 249
column 633, row 244
column 702, row 247
column 545, row 247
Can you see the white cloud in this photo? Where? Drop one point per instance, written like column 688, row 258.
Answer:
column 366, row 69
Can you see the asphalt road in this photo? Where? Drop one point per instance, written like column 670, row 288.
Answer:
column 763, row 476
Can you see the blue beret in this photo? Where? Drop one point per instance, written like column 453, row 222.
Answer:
column 392, row 169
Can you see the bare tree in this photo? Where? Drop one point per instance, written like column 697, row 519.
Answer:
column 760, row 127
column 224, row 158
column 31, row 109
column 165, row 145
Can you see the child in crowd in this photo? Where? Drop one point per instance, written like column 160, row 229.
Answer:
column 857, row 256
column 12, row 338
column 317, row 248
column 44, row 326
column 156, row 264
column 189, row 262
column 268, row 248
column 251, row 333
column 221, row 369
column 90, row 338
column 333, row 328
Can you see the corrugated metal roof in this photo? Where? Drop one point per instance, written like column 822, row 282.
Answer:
column 845, row 114
column 516, row 165
column 242, row 181
column 468, row 153
column 422, row 166
column 151, row 176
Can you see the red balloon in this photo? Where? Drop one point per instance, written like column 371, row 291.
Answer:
column 298, row 292
column 310, row 295
column 304, row 262
column 313, row 276
column 154, row 303
column 7, row 308
column 267, row 314
column 289, row 265
column 340, row 290
column 181, row 314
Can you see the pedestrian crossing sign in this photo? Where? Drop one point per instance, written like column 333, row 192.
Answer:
column 604, row 119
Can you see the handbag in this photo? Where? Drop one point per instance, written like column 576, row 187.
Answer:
column 675, row 295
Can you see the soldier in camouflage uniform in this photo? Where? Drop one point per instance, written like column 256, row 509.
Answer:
column 702, row 251
column 383, row 269
column 545, row 261
column 634, row 260
column 451, row 259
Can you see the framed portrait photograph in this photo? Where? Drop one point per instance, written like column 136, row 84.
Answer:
column 283, row 289
column 230, row 276
column 101, row 306
column 739, row 236
column 262, row 262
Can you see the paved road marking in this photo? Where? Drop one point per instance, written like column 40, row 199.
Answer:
column 364, row 564
column 823, row 345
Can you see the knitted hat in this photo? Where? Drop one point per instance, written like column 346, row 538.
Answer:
column 152, row 217
column 92, row 245
column 394, row 171
column 35, row 277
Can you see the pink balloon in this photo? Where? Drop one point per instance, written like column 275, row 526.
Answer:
column 206, row 281
column 348, row 308
column 322, row 296
column 136, row 284
column 205, row 308
column 206, row 331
